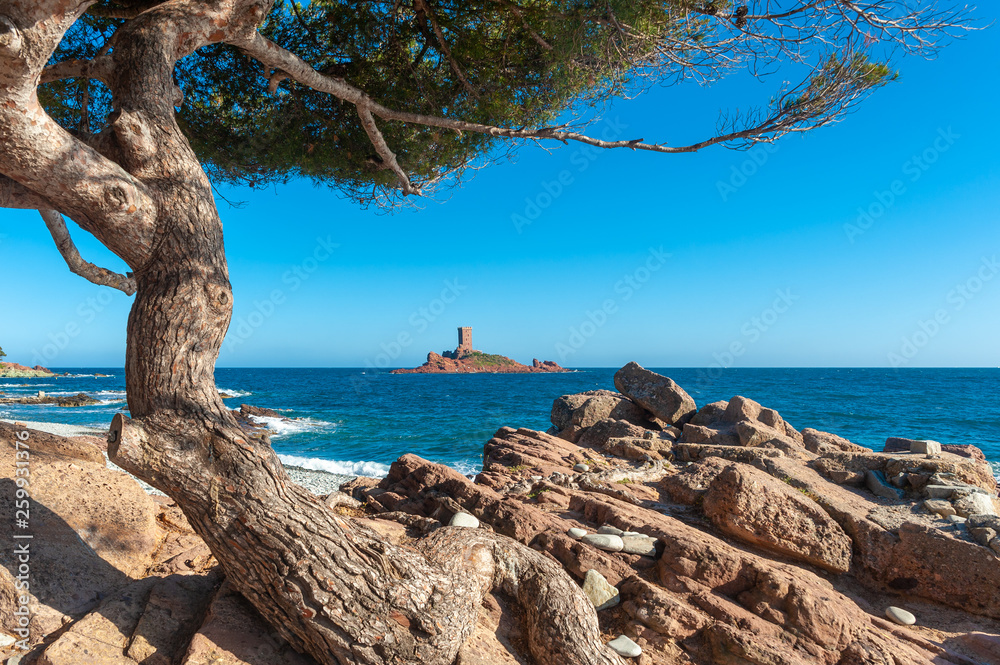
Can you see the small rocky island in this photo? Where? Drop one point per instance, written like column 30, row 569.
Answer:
column 16, row 371
column 466, row 360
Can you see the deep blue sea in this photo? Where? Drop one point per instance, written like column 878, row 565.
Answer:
column 353, row 422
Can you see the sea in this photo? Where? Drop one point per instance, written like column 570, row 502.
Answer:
column 357, row 422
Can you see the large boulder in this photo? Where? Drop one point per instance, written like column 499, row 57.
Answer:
column 572, row 414
column 755, row 508
column 658, row 394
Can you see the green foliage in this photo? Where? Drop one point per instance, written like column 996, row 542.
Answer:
column 486, row 360
column 246, row 135
column 2, row 354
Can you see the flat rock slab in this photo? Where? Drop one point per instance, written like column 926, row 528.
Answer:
column 625, row 647
column 939, row 491
column 643, row 545
column 604, row 541
column 939, row 507
column 900, row 616
column 600, row 592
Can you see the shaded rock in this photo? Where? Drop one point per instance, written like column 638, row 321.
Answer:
column 100, row 638
column 601, row 594
column 843, row 477
column 657, row 394
column 572, row 414
column 173, row 611
column 692, row 452
column 877, row 484
column 90, row 542
column 235, row 634
column 602, row 431
column 689, row 485
column 608, row 529
column 710, row 415
column 716, row 437
column 754, row 507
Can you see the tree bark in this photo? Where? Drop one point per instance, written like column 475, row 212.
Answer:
column 331, row 587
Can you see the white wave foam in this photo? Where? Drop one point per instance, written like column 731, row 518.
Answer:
column 372, row 469
column 467, row 468
column 236, row 393
column 285, row 427
column 26, row 385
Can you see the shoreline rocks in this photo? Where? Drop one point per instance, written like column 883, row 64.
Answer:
column 733, row 541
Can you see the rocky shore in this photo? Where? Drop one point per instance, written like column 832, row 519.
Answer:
column 477, row 362
column 80, row 399
column 16, row 371
column 715, row 534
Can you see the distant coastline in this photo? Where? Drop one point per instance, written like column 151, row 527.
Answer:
column 16, row 371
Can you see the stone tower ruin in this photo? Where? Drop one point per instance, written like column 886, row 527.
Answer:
column 464, row 339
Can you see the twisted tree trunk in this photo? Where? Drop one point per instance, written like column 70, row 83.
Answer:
column 332, row 588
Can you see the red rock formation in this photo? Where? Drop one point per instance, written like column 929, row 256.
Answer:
column 476, row 362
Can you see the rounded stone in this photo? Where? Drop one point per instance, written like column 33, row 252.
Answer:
column 900, row 616
column 607, row 528
column 464, row 519
column 581, row 468
column 576, row 533
column 625, row 647
column 604, row 541
column 956, row 519
column 633, row 534
column 642, row 545
column 600, row 591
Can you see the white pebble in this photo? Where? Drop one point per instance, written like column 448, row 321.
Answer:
column 464, row 519
column 900, row 616
column 581, row 468
column 623, row 646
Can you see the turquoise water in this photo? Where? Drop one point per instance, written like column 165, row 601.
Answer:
column 358, row 423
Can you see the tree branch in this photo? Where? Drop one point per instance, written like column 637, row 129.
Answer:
column 99, row 68
column 382, row 148
column 64, row 243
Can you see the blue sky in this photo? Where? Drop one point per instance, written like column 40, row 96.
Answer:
column 869, row 243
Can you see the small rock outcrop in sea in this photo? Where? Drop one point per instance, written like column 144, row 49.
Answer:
column 466, row 360
column 15, row 371
column 80, row 399
column 720, row 537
